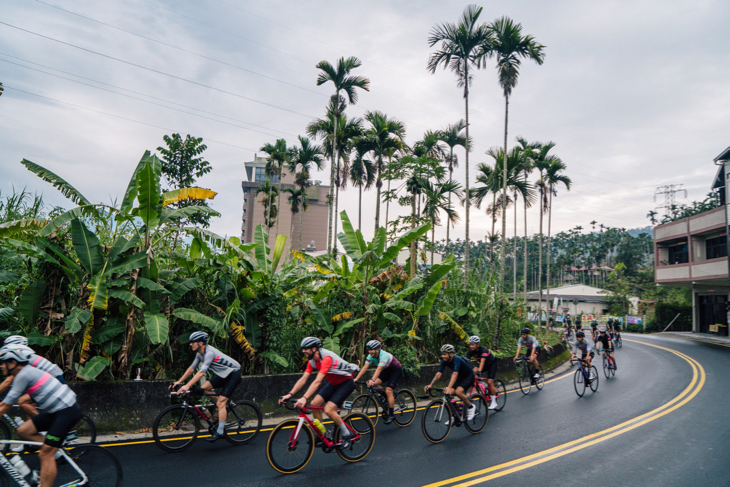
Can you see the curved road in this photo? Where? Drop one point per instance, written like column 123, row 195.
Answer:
column 661, row 421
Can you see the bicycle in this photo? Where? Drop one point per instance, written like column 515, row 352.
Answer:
column 583, row 376
column 292, row 442
column 79, row 465
column 617, row 340
column 481, row 387
column 404, row 410
column 527, row 378
column 442, row 414
column 609, row 366
column 176, row 427
column 84, row 431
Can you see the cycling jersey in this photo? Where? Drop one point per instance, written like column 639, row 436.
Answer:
column 43, row 388
column 218, row 363
column 605, row 340
column 583, row 347
column 41, row 363
column 458, row 365
column 385, row 360
column 481, row 353
column 335, row 369
column 529, row 343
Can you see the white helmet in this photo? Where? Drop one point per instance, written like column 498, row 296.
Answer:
column 16, row 340
column 18, row 354
column 474, row 339
column 448, row 349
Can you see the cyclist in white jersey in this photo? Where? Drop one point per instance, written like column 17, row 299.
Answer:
column 227, row 375
column 58, row 401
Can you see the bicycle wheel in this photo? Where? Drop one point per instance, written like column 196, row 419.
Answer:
column 481, row 415
column 4, row 435
column 404, row 411
column 525, row 380
column 579, row 383
column 436, row 421
column 4, row 480
column 287, row 454
column 594, row 380
column 98, row 464
column 540, row 383
column 175, row 428
column 619, row 342
column 363, row 443
column 368, row 405
column 501, row 394
column 613, row 367
column 83, row 433
column 243, row 422
column 606, row 367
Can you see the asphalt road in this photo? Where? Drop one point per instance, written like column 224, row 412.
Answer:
column 662, row 420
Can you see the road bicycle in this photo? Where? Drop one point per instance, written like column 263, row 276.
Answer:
column 291, row 444
column 442, row 414
column 176, row 428
column 618, row 343
column 77, row 466
column 584, row 375
column 84, row 431
column 404, row 406
column 481, row 387
column 527, row 378
column 609, row 366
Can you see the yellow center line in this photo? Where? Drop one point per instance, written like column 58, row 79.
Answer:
column 695, row 385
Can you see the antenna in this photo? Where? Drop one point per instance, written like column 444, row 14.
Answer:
column 669, row 191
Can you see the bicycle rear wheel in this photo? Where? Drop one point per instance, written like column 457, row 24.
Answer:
column 501, row 394
column 436, row 422
column 98, row 464
column 579, row 383
column 404, row 411
column 619, row 342
column 594, row 380
column 540, row 383
column 175, row 428
column 363, row 443
column 481, row 415
column 525, row 379
column 368, row 405
column 243, row 422
column 85, row 433
column 287, row 454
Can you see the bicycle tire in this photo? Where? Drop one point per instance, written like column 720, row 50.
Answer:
column 176, row 428
column 285, row 457
column 4, row 480
column 99, row 465
column 525, row 379
column 613, row 367
column 619, row 342
column 579, row 383
column 4, row 435
column 359, row 448
column 594, row 381
column 243, row 423
column 501, row 394
column 540, row 383
column 606, row 366
column 405, row 408
column 481, row 416
column 368, row 405
column 437, row 421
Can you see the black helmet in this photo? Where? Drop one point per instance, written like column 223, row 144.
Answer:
column 526, row 331
column 580, row 334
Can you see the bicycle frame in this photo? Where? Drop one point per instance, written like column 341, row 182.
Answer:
column 5, row 464
column 446, row 400
column 187, row 403
column 304, row 418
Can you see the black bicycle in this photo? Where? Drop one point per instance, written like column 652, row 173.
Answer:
column 527, row 378
column 404, row 407
column 584, row 376
column 176, row 428
column 84, row 432
column 449, row 411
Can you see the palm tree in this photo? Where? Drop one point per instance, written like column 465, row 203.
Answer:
column 343, row 81
column 554, row 178
column 279, row 156
column 462, row 47
column 270, row 193
column 542, row 160
column 453, row 135
column 509, row 47
column 299, row 204
column 528, row 166
column 301, row 163
column 436, row 202
column 362, row 173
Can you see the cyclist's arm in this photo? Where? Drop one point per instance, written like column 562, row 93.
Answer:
column 435, row 378
column 454, row 378
column 362, row 371
column 482, row 363
column 4, row 408
column 377, row 372
column 198, row 375
column 519, row 347
column 298, row 385
column 314, row 386
column 6, row 384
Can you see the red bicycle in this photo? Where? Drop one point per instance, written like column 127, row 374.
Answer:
column 291, row 444
column 480, row 387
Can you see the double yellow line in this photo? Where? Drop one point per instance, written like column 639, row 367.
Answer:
column 479, row 476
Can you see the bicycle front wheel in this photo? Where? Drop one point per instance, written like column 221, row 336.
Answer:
column 594, row 379
column 361, row 445
column 243, row 422
column 481, row 415
column 98, row 464
column 501, row 394
column 619, row 342
column 286, row 452
column 436, row 422
column 525, row 380
column 606, row 367
column 366, row 404
column 404, row 411
column 579, row 383
column 175, row 428
column 540, row 383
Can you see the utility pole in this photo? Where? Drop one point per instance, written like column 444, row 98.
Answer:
column 669, row 191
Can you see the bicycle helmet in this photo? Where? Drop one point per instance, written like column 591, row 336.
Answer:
column 525, row 331
column 448, row 349
column 602, row 329
column 199, row 336
column 580, row 334
column 474, row 339
column 16, row 340
column 309, row 342
column 13, row 353
column 372, row 345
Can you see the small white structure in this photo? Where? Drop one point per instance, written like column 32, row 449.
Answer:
column 578, row 298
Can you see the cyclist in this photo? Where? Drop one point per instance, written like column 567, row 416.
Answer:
column 532, row 350
column 226, row 376
column 387, row 371
column 566, row 324
column 487, row 362
column 581, row 344
column 604, row 341
column 594, row 330
column 339, row 384
column 461, row 379
column 60, row 410
column 578, row 324
column 616, row 328
column 609, row 327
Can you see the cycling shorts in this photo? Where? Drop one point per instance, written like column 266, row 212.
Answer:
column 465, row 382
column 593, row 354
column 490, row 369
column 337, row 394
column 390, row 377
column 57, row 424
column 528, row 353
column 228, row 385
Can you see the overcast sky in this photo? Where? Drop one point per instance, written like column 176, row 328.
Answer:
column 634, row 94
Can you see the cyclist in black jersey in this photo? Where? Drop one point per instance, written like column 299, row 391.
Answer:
column 461, row 379
column 487, row 363
column 606, row 344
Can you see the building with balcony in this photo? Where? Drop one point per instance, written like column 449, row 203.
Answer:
column 313, row 222
column 693, row 252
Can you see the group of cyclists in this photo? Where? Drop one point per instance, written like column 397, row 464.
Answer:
column 603, row 339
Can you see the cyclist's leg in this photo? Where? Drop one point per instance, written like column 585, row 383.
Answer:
column 26, row 404
column 391, row 381
column 336, row 397
column 462, row 385
column 57, row 425
column 461, row 394
column 229, row 386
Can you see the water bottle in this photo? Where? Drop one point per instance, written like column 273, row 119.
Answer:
column 20, row 465
column 319, row 426
column 18, row 421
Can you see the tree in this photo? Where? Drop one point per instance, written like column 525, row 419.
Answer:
column 343, row 81
column 362, row 173
column 453, row 135
column 553, row 178
column 462, row 46
column 437, row 202
column 542, row 160
column 528, row 166
column 268, row 202
column 299, row 204
column 301, row 163
column 279, row 156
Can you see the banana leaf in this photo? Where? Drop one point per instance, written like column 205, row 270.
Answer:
column 149, row 194
column 157, row 327
column 8, row 229
column 184, row 194
column 93, row 368
column 76, row 319
column 58, row 182
column 403, row 242
column 87, row 247
column 30, row 301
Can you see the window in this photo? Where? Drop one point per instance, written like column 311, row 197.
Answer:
column 678, row 254
column 245, row 191
column 260, row 175
column 716, row 247
column 244, row 212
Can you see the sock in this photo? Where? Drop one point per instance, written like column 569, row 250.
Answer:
column 390, row 411
column 344, row 430
column 221, row 427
